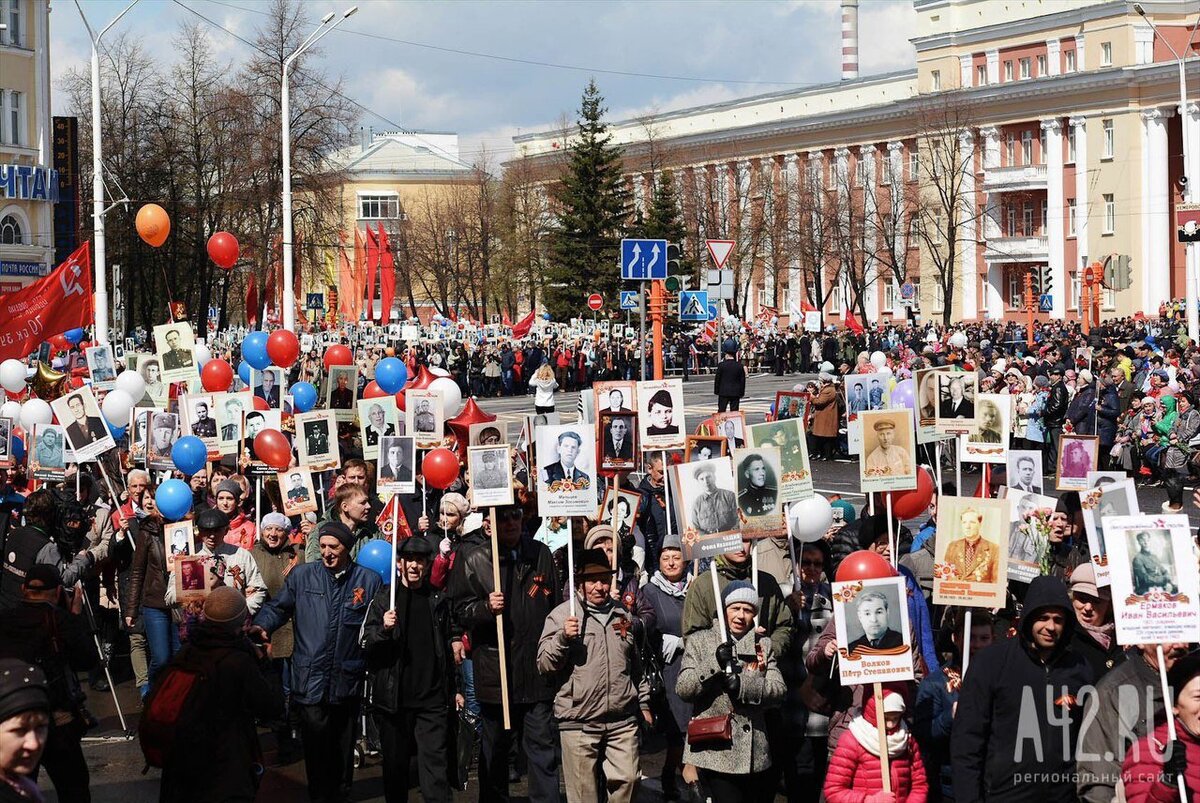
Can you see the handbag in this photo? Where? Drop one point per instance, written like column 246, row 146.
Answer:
column 710, row 731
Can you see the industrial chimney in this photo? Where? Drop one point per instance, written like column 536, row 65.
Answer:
column 849, row 39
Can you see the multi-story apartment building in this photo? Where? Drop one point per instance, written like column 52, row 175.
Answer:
column 1060, row 122
column 28, row 182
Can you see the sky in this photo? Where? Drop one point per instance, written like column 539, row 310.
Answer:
column 670, row 54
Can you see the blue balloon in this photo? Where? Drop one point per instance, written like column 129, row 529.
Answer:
column 18, row 448
column 189, row 454
column 74, row 336
column 545, row 316
column 390, row 374
column 304, row 396
column 117, row 432
column 244, row 372
column 376, row 555
column 174, row 499
column 254, row 350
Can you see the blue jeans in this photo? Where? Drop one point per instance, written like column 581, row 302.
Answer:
column 467, row 669
column 162, row 637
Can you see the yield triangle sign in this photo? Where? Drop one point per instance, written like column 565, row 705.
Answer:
column 719, row 251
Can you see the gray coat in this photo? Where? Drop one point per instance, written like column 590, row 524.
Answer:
column 762, row 687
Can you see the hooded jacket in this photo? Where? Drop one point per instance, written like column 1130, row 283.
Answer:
column 996, row 753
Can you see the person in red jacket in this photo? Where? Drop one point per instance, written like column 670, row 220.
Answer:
column 855, row 774
column 1154, row 764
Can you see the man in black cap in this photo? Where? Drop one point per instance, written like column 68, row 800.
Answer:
column 1054, row 413
column 412, row 675
column 729, row 381
column 229, row 564
column 43, row 631
column 327, row 601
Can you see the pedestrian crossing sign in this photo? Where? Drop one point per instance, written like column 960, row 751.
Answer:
column 693, row 305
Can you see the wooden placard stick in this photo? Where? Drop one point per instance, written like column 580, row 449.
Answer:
column 395, row 503
column 616, row 542
column 499, row 620
column 881, row 727
column 1167, row 700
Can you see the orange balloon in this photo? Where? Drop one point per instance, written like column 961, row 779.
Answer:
column 153, row 224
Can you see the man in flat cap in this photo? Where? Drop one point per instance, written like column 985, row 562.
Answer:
column 887, row 459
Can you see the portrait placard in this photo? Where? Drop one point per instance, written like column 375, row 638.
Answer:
column 731, row 427
column 341, row 389
column 864, row 393
column 926, row 410
column 987, row 442
column 956, row 393
column 1025, row 470
column 703, row 447
column 178, row 540
column 790, row 404
column 161, row 435
column 1105, row 499
column 150, row 367
column 378, row 418
column 615, row 397
column 887, row 460
column 566, row 468
column 101, row 366
column 174, row 345
column 423, row 411
column 83, row 424
column 1077, row 455
column 485, row 433
column 317, row 445
column 660, row 414
column 6, row 453
column 269, row 385
column 756, row 478
column 1028, row 534
column 627, row 509
column 199, row 420
column 193, row 581
column 1155, row 581
column 397, row 465
column 968, row 563
column 707, row 504
column 255, row 422
column 871, row 619
column 491, row 478
column 296, row 488
column 231, row 409
column 618, row 442
column 48, row 453
column 788, row 436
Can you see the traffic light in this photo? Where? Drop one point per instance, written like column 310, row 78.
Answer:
column 1124, row 273
column 674, row 256
column 1110, row 271
column 1047, row 283
column 672, row 283
column 1036, row 284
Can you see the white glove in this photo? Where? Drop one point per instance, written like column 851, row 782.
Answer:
column 671, row 647
column 444, row 546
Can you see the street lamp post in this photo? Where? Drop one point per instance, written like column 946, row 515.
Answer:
column 1190, row 164
column 98, row 210
column 289, row 291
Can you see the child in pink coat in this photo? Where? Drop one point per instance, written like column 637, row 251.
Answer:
column 855, row 774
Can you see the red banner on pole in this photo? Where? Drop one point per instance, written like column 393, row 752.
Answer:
column 48, row 307
column 387, row 277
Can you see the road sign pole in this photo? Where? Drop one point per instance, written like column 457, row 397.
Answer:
column 642, row 326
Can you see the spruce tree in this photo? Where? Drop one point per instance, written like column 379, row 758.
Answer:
column 664, row 221
column 594, row 213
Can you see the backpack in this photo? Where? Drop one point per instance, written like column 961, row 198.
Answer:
column 177, row 709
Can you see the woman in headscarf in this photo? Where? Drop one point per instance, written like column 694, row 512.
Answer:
column 665, row 593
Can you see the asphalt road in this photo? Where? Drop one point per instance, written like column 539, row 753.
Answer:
column 116, row 763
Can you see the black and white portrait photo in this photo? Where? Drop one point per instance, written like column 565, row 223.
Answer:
column 618, row 445
column 708, row 506
column 317, row 447
column 490, row 469
column 704, row 447
column 268, row 385
column 1154, row 575
column 163, row 432
column 101, row 366
column 397, row 456
column 566, row 469
column 423, row 417
column 486, row 433
column 157, row 390
column 230, row 410
column 83, row 423
column 377, row 419
column 614, row 397
column 1025, row 470
column 756, row 475
column 871, row 618
column 341, row 390
column 296, row 488
column 178, row 539
column 956, row 402
column 47, row 452
column 660, row 414
column 1077, row 455
column 174, row 344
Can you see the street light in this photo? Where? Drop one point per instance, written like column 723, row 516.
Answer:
column 98, row 210
column 289, row 291
column 1192, row 254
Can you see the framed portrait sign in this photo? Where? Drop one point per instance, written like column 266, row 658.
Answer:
column 788, row 437
column 150, row 367
column 268, row 385
column 396, row 472
column 296, row 488
column 708, row 508
column 968, row 563
column 956, row 393
column 887, row 461
column 255, row 422
column 193, row 581
column 660, row 414
column 139, row 426
column 102, row 366
column 1025, row 470
column 174, row 345
column 864, row 393
column 704, row 447
column 871, row 619
column 615, row 397
column 161, row 434
column 626, row 504
column 566, row 469
column 486, row 433
column 48, row 453
column 423, row 411
column 317, row 445
column 1107, row 498
column 231, row 409
column 1028, row 533
column 757, row 471
column 491, row 477
column 618, row 442
column 199, row 419
column 178, row 539
column 6, row 452
column 731, row 427
column 1077, row 456
column 83, row 424
column 987, row 442
column 341, row 390
column 926, row 380
column 790, row 404
column 1154, row 577
column 378, row 418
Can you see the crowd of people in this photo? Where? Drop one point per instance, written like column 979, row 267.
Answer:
column 475, row 653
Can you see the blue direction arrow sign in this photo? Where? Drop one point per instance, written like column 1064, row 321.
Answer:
column 693, row 305
column 1046, row 302
column 629, row 299
column 642, row 260
column 714, row 310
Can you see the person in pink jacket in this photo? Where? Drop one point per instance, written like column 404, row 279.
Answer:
column 855, row 775
column 242, row 531
column 1154, row 764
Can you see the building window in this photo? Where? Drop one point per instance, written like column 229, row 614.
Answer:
column 10, row 231
column 1012, row 221
column 1045, row 207
column 1016, row 289
column 890, row 294
column 1008, row 71
column 939, row 297
column 1027, row 147
column 981, row 75
column 1108, row 298
column 1106, row 54
column 1071, row 144
column 1041, row 66
column 835, row 299
column 1010, row 145
column 1110, row 142
column 1027, row 220
column 12, row 16
column 935, row 78
column 1071, row 217
column 860, row 172
column 12, row 117
column 371, row 207
column 1069, row 61
column 1026, row 68
column 1075, row 290
column 1110, row 214
column 914, row 165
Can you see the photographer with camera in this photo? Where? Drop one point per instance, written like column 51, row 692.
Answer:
column 47, row 629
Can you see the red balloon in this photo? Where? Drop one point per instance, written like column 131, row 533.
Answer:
column 373, row 391
column 400, row 399
column 216, row 376
column 440, row 468
column 338, row 355
column 864, row 565
column 471, row 413
column 271, row 447
column 914, row 502
column 223, row 249
column 261, row 404
column 283, row 348
column 59, row 343
column 422, row 380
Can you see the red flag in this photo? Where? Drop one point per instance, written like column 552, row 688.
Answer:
column 345, row 279
column 523, row 326
column 360, row 275
column 806, row 307
column 452, row 314
column 504, row 319
column 384, row 520
column 50, row 306
column 251, row 301
column 372, row 267
column 387, row 277
column 852, row 323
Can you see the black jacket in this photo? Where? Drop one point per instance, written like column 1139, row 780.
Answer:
column 730, row 379
column 148, row 574
column 55, row 640
column 386, row 651
column 1055, row 410
column 533, row 593
column 1005, row 684
column 18, row 551
column 1098, row 658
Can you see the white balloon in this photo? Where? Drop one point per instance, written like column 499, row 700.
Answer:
column 201, row 353
column 116, row 407
column 35, row 411
column 451, row 395
column 809, row 519
column 132, row 383
column 959, row 340
column 11, row 409
column 12, row 375
column 878, row 359
column 439, row 371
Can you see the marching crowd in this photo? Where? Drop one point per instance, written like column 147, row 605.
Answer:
column 730, row 671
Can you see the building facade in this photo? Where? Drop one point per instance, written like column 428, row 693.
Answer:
column 28, row 180
column 1055, row 127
